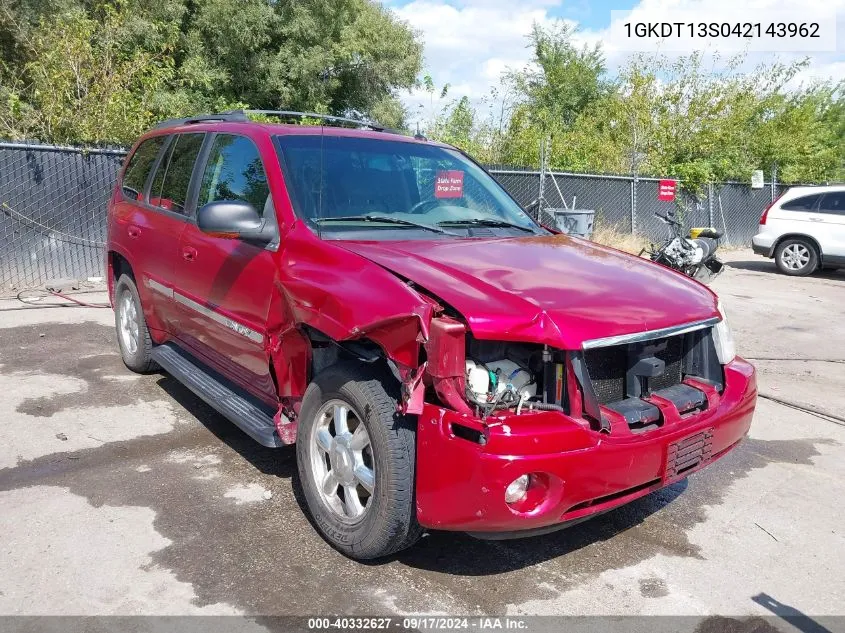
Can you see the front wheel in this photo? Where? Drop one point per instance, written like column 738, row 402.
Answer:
column 797, row 257
column 355, row 456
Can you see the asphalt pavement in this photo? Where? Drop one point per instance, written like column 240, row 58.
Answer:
column 123, row 494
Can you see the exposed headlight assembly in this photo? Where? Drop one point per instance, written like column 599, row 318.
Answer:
column 723, row 338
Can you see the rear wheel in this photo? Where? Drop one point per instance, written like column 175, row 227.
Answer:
column 797, row 257
column 136, row 346
column 355, row 455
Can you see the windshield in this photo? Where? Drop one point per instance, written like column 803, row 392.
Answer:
column 344, row 185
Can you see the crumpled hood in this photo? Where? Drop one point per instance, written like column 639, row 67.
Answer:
column 545, row 289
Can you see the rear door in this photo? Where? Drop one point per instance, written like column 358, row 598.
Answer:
column 831, row 213
column 148, row 226
column 799, row 215
column 224, row 286
column 167, row 214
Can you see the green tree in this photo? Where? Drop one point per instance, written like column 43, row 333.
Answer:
column 179, row 57
column 562, row 82
column 79, row 84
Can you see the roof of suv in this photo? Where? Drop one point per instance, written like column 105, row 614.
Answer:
column 805, row 190
column 333, row 125
column 816, row 188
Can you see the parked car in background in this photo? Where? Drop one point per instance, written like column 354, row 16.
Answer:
column 804, row 230
column 440, row 360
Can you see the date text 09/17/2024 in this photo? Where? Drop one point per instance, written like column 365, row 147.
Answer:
column 418, row 623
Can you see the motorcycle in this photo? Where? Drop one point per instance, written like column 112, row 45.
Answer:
column 694, row 254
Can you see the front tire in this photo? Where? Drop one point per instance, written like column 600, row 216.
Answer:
column 796, row 257
column 355, row 455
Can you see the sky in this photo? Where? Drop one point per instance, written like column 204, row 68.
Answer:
column 470, row 43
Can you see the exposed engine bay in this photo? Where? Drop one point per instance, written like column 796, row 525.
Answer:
column 521, row 376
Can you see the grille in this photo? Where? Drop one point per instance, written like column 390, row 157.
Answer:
column 607, row 367
column 673, row 357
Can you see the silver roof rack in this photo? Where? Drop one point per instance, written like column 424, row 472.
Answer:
column 241, row 116
column 233, row 115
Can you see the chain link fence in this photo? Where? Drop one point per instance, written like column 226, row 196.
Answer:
column 52, row 212
column 53, row 205
column 629, row 204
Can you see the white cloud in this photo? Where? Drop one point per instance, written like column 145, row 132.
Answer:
column 469, row 44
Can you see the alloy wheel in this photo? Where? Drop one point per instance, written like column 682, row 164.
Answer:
column 128, row 321
column 795, row 256
column 342, row 463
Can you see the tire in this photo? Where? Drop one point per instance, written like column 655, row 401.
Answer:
column 383, row 520
column 797, row 257
column 133, row 336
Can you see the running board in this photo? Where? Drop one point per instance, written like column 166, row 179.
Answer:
column 248, row 416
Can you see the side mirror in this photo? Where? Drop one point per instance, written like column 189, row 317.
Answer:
column 234, row 219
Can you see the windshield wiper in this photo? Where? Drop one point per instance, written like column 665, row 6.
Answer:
column 485, row 222
column 381, row 218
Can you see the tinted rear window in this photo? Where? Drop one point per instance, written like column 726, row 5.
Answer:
column 140, row 166
column 804, row 203
column 833, row 203
column 170, row 185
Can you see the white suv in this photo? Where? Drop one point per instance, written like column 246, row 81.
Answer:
column 804, row 230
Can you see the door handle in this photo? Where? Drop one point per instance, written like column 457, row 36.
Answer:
column 133, row 231
column 189, row 253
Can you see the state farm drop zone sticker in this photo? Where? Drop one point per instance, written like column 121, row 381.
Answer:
column 449, row 184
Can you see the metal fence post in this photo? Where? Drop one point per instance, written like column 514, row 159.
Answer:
column 774, row 181
column 634, row 205
column 541, row 196
column 709, row 204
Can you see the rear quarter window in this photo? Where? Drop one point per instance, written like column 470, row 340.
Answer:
column 804, row 203
column 139, row 167
column 833, row 203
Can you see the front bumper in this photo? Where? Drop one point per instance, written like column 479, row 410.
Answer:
column 461, row 481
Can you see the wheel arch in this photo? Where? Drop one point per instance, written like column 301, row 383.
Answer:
column 802, row 236
column 304, row 352
column 117, row 264
column 326, row 352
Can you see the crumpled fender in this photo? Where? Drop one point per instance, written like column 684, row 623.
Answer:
column 446, row 352
column 346, row 297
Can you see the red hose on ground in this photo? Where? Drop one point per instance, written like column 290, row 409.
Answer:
column 71, row 301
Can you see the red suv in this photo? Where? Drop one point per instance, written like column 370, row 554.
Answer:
column 440, row 359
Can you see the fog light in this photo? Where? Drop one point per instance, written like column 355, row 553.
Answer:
column 517, row 489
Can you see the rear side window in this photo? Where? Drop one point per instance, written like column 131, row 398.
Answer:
column 170, row 184
column 139, row 167
column 804, row 203
column 833, row 203
column 234, row 172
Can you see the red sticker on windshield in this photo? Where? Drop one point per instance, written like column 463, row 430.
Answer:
column 449, row 184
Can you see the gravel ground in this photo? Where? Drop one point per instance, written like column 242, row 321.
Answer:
column 124, row 494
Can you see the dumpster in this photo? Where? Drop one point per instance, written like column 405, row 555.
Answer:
column 578, row 222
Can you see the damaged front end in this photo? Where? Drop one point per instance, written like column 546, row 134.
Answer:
column 519, row 436
column 608, row 382
column 516, row 435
